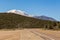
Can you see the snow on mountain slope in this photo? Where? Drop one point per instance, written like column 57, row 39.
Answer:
column 19, row 12
column 23, row 13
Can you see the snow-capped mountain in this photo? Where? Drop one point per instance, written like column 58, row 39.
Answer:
column 19, row 12
column 23, row 13
column 45, row 18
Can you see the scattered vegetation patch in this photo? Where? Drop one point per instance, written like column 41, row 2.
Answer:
column 15, row 21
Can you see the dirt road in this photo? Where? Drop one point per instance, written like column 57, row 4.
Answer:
column 35, row 35
column 18, row 35
column 54, row 34
column 29, row 34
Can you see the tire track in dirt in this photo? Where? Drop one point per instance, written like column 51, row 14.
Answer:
column 45, row 37
column 27, row 35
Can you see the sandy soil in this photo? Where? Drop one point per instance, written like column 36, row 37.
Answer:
column 50, row 33
column 9, row 35
column 18, row 35
column 29, row 34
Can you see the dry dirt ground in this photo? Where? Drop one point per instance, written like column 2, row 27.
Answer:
column 54, row 34
column 9, row 35
column 29, row 34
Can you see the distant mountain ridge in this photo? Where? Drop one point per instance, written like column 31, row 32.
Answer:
column 23, row 13
column 45, row 18
column 15, row 21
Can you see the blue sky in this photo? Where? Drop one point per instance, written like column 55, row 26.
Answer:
column 49, row 8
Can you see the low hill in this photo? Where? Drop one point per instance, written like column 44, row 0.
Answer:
column 11, row 20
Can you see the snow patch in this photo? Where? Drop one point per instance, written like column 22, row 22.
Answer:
column 19, row 12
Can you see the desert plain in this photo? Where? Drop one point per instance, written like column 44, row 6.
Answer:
column 30, row 34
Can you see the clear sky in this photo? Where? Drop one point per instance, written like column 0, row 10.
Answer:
column 49, row 8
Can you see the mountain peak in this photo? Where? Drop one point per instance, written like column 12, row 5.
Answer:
column 16, row 12
column 20, row 12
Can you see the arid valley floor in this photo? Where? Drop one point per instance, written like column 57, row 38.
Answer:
column 29, row 34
